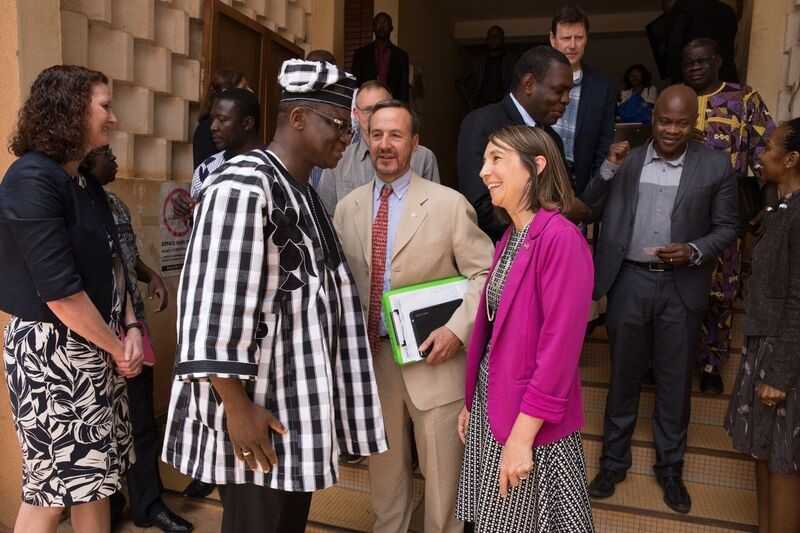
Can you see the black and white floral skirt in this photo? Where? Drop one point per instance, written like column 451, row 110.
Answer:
column 766, row 433
column 554, row 499
column 70, row 410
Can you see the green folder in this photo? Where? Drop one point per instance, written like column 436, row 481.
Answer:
column 402, row 338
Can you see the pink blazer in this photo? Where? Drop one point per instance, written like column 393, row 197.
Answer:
column 538, row 332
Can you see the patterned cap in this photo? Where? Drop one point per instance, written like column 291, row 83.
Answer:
column 316, row 81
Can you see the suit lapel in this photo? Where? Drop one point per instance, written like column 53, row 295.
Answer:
column 364, row 207
column 511, row 110
column 687, row 174
column 415, row 211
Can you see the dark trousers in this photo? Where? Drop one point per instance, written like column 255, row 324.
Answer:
column 254, row 509
column 648, row 323
column 144, row 481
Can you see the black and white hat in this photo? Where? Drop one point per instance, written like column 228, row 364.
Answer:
column 316, row 81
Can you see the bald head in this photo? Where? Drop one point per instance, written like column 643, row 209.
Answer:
column 678, row 97
column 674, row 118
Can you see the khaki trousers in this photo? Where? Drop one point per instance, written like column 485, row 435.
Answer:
column 440, row 456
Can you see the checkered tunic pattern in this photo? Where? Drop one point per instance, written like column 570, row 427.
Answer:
column 266, row 297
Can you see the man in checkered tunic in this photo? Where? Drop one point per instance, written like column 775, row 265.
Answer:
column 273, row 377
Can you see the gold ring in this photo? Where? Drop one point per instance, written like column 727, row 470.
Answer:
column 247, row 453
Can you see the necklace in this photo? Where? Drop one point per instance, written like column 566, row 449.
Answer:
column 497, row 279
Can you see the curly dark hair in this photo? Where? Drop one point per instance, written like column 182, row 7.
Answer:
column 53, row 119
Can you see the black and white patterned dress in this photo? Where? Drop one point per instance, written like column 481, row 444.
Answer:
column 70, row 410
column 555, row 497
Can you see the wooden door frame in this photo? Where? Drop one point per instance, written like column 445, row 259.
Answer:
column 211, row 11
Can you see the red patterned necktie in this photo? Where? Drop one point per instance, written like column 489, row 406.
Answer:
column 379, row 227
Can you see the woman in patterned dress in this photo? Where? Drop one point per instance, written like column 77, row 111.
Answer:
column 64, row 287
column 524, row 469
column 764, row 414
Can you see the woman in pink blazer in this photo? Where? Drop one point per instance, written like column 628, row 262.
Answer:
column 524, row 469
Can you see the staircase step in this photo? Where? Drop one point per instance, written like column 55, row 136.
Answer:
column 342, row 508
column 735, row 472
column 595, row 365
column 702, row 438
column 737, row 327
column 636, row 506
column 706, row 409
column 718, row 507
column 639, row 521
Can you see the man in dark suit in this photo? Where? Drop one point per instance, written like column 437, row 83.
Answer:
column 383, row 61
column 668, row 212
column 539, row 95
column 593, row 101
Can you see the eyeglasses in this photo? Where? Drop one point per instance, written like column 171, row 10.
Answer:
column 367, row 110
column 699, row 61
column 343, row 127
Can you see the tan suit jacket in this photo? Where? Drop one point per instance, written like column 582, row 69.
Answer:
column 438, row 237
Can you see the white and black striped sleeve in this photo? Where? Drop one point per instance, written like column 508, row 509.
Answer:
column 222, row 284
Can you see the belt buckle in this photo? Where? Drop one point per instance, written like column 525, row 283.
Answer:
column 656, row 267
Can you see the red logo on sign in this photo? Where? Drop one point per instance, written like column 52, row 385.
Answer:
column 177, row 225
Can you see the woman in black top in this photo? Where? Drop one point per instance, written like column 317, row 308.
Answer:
column 64, row 287
column 764, row 414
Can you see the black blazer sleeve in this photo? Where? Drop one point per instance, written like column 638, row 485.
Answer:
column 595, row 195
column 472, row 139
column 34, row 211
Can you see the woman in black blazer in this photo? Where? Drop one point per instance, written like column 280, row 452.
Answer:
column 64, row 287
column 764, row 414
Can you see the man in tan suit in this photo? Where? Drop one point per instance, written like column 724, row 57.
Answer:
column 400, row 230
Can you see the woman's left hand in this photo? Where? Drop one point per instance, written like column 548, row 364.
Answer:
column 134, row 353
column 770, row 396
column 516, row 464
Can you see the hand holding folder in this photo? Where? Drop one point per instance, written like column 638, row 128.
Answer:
column 413, row 313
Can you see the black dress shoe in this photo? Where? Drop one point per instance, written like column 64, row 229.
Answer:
column 711, row 383
column 166, row 520
column 604, row 483
column 198, row 489
column 675, row 494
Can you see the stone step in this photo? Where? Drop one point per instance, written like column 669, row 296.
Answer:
column 640, row 521
column 737, row 325
column 700, row 466
column 706, row 409
column 595, row 366
column 639, row 496
column 636, row 506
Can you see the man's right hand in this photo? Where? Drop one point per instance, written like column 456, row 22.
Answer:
column 617, row 152
column 249, row 427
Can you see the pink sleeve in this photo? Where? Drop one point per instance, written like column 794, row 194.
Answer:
column 566, row 280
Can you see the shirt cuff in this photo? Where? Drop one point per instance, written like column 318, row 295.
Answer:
column 698, row 260
column 608, row 170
